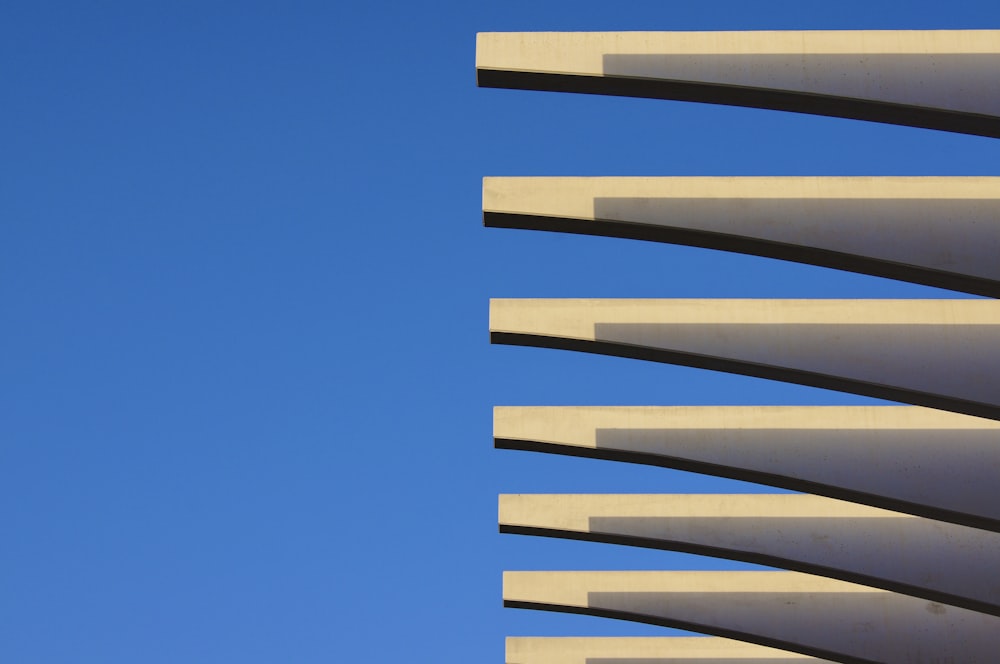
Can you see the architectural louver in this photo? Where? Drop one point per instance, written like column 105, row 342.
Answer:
column 892, row 557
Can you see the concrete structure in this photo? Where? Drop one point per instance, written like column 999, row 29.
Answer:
column 937, row 79
column 797, row 612
column 831, row 538
column 912, row 460
column 662, row 650
column 916, row 584
column 937, row 353
column 938, row 231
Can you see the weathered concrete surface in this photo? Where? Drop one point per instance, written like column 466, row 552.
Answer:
column 916, row 460
column 798, row 612
column 929, row 559
column 936, row 353
column 939, row 231
column 940, row 79
column 646, row 650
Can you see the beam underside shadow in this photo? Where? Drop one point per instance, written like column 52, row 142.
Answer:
column 754, row 476
column 746, row 245
column 749, row 97
column 729, row 553
column 676, row 623
column 746, row 368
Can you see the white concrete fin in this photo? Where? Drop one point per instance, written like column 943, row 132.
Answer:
column 797, row 612
column 916, row 460
column 936, row 353
column 938, row 231
column 936, row 561
column 940, row 79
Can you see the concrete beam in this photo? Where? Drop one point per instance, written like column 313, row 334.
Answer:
column 938, row 231
column 936, row 353
column 648, row 650
column 915, row 460
column 787, row 610
column 929, row 559
column 937, row 79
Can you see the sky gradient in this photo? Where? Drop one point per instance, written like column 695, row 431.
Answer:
column 245, row 377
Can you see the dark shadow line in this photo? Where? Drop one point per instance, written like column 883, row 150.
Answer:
column 691, row 627
column 760, row 559
column 734, row 95
column 746, row 245
column 755, row 476
column 742, row 367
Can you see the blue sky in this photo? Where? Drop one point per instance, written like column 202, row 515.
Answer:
column 245, row 378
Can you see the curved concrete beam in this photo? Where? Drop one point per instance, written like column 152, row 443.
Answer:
column 646, row 650
column 936, row 353
column 798, row 612
column 915, row 460
column 938, row 231
column 929, row 559
column 936, row 79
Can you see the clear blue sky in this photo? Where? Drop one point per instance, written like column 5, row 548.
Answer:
column 245, row 378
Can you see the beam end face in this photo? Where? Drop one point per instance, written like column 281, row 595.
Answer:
column 649, row 650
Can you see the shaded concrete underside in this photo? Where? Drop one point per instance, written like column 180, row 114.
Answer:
column 786, row 610
column 942, row 80
column 928, row 559
column 937, row 231
column 935, row 353
column 913, row 460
